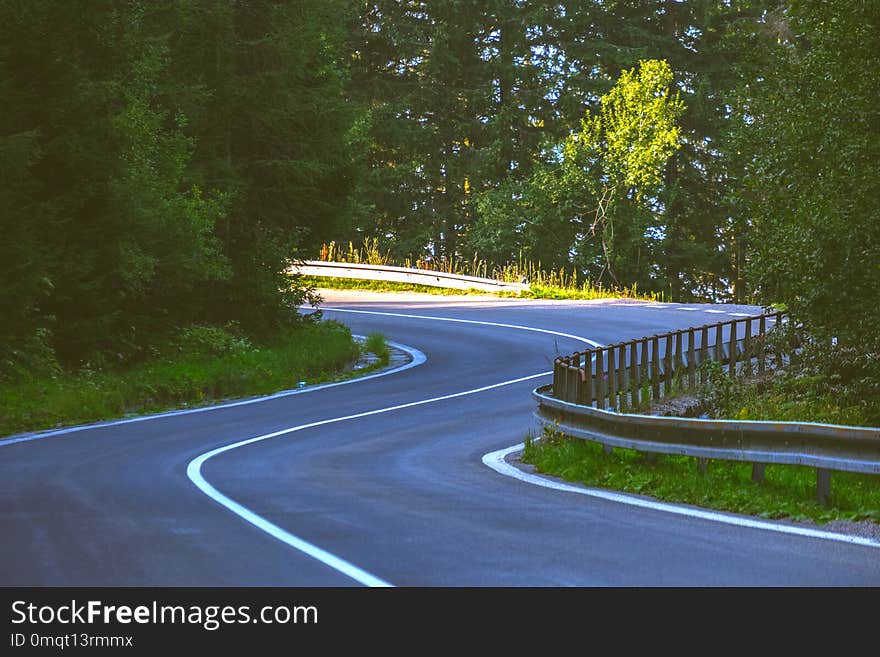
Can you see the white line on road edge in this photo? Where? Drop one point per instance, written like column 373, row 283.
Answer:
column 467, row 321
column 194, row 468
column 497, row 461
column 193, row 471
column 417, row 359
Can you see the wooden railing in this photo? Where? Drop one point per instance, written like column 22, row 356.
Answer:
column 632, row 374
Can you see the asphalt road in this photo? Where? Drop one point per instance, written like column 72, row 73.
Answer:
column 400, row 496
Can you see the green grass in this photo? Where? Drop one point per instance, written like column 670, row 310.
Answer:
column 585, row 292
column 376, row 345
column 311, row 353
column 787, row 492
column 535, row 292
column 380, row 286
column 559, row 283
column 795, row 400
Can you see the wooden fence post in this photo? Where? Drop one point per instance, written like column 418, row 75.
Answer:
column 704, row 352
column 733, row 354
column 692, row 366
column 654, row 365
column 588, row 378
column 612, row 376
column 635, row 380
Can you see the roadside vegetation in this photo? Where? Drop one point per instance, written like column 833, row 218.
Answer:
column 562, row 283
column 378, row 346
column 827, row 383
column 788, row 492
column 203, row 365
column 380, row 286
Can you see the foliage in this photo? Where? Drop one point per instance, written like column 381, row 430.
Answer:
column 823, row 382
column 618, row 158
column 162, row 163
column 809, row 130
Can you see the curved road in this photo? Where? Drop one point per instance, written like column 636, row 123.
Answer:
column 396, row 497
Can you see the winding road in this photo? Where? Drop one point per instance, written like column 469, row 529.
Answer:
column 380, row 481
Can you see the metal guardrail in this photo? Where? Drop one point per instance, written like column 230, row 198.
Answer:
column 823, row 446
column 628, row 374
column 403, row 275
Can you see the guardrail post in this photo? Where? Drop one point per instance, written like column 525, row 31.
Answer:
column 692, row 366
column 612, row 376
column 600, row 379
column 622, row 383
column 758, row 472
column 719, row 344
column 654, row 365
column 823, row 485
column 667, row 366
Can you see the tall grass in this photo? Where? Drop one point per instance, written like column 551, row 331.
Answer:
column 562, row 283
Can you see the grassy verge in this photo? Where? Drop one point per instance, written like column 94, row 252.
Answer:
column 536, row 292
column 381, row 286
column 198, row 372
column 788, row 492
column 583, row 293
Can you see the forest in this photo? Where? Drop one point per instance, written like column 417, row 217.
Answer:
column 164, row 161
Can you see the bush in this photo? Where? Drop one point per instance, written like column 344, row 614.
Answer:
column 32, row 357
column 823, row 382
column 211, row 341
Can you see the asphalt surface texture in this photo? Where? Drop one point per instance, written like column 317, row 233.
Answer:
column 402, row 495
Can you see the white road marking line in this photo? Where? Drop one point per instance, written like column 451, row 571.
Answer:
column 740, row 314
column 496, row 461
column 717, row 312
column 194, row 468
column 684, row 308
column 467, row 321
column 417, row 359
column 194, row 472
